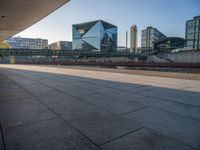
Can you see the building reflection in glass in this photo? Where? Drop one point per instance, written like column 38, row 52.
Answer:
column 95, row 36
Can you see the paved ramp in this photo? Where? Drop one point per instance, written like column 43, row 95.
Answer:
column 45, row 107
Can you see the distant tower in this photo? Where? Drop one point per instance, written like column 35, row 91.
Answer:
column 133, row 39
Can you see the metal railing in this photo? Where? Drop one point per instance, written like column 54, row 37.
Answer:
column 66, row 53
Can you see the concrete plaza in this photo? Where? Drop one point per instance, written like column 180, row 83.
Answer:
column 61, row 108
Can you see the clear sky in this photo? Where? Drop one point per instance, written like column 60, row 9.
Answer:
column 168, row 16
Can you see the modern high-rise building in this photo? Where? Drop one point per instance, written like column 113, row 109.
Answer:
column 61, row 45
column 149, row 36
column 27, row 43
column 192, row 33
column 133, row 39
column 95, row 36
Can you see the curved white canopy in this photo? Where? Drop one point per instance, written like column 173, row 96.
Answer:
column 17, row 15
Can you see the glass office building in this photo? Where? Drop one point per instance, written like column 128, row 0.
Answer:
column 61, row 45
column 27, row 43
column 192, row 33
column 95, row 36
column 149, row 36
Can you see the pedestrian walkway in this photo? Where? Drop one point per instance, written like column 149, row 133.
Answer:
column 44, row 108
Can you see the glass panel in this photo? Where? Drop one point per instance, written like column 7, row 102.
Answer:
column 76, row 34
column 98, row 35
column 190, row 23
column 95, row 42
column 190, row 36
column 94, row 31
column 190, row 30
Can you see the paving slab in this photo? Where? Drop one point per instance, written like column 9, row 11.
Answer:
column 121, row 94
column 33, row 87
column 98, row 124
column 118, row 103
column 1, row 140
column 69, row 89
column 171, row 106
column 45, row 107
column 146, row 139
column 181, row 128
column 58, row 80
column 125, row 87
column 23, row 112
column 53, row 98
column 47, row 135
column 87, row 118
column 180, row 96
column 7, row 98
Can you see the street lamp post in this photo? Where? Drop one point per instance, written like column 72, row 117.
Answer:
column 126, row 41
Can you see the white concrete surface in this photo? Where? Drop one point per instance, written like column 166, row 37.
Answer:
column 171, row 83
column 17, row 15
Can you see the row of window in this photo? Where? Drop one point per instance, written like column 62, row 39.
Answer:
column 195, row 43
column 193, row 23
column 192, row 30
column 192, row 36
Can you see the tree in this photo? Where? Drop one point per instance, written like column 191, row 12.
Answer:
column 4, row 45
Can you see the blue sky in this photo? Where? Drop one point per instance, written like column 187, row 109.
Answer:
column 168, row 16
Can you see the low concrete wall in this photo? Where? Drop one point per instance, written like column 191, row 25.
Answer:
column 155, row 59
column 181, row 57
column 192, row 57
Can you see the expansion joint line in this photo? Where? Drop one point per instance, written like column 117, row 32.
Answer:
column 121, row 136
column 50, row 109
column 2, row 137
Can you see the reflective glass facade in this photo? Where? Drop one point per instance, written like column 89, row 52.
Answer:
column 95, row 36
column 27, row 43
column 149, row 36
column 192, row 33
column 61, row 45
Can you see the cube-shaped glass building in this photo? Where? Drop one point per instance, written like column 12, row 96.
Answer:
column 95, row 36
